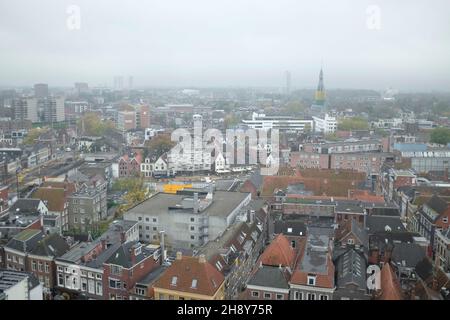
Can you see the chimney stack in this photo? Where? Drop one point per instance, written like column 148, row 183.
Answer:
column 179, row 255
column 103, row 241
column 202, row 258
column 133, row 256
column 163, row 247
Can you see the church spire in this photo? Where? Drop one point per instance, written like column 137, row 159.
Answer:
column 320, row 92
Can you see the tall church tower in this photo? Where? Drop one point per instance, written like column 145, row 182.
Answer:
column 319, row 98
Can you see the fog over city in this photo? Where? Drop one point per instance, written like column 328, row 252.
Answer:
column 361, row 44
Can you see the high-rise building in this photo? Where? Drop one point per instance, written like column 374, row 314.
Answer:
column 81, row 87
column 41, row 90
column 118, row 83
column 25, row 109
column 48, row 110
column 144, row 117
column 288, row 83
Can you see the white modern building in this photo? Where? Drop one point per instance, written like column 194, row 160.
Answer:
column 325, row 124
column 19, row 285
column 261, row 121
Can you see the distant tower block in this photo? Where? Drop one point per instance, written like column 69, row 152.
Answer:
column 288, row 82
column 130, row 82
column 320, row 96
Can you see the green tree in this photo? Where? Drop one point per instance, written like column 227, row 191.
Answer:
column 157, row 146
column 91, row 124
column 33, row 135
column 294, row 107
column 355, row 123
column 440, row 135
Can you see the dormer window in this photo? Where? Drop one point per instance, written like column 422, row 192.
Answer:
column 174, row 281
column 311, row 280
column 194, row 284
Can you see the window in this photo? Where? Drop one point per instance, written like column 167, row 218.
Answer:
column 280, row 296
column 350, row 241
column 174, row 281
column 147, row 219
column 267, row 295
column 99, row 288
column 60, row 280
column 33, row 265
column 154, row 220
column 140, row 291
column 83, row 284
column 139, row 218
column 298, row 295
column 311, row 280
column 192, row 237
column 8, row 257
column 192, row 228
column 293, row 243
column 116, row 270
column 323, row 297
column 155, row 229
column 192, row 219
column 91, row 286
column 147, row 228
column 20, row 260
column 445, row 220
column 194, row 284
column 40, row 266
column 219, row 265
column 114, row 284
column 255, row 294
column 170, row 297
column 47, row 268
column 311, row 296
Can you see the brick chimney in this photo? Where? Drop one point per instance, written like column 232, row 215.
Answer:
column 179, row 255
column 132, row 256
column 202, row 258
column 103, row 241
column 122, row 237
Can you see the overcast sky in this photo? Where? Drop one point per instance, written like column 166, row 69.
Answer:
column 228, row 43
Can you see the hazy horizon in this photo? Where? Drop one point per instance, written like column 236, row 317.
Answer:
column 251, row 43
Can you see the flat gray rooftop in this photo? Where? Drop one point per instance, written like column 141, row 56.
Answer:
column 222, row 205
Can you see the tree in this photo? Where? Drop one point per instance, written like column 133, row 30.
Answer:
column 441, row 108
column 355, row 123
column 231, row 120
column 294, row 107
column 440, row 135
column 91, row 124
column 33, row 135
column 157, row 146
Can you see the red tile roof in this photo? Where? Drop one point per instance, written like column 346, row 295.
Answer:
column 326, row 280
column 208, row 278
column 279, row 252
column 390, row 286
